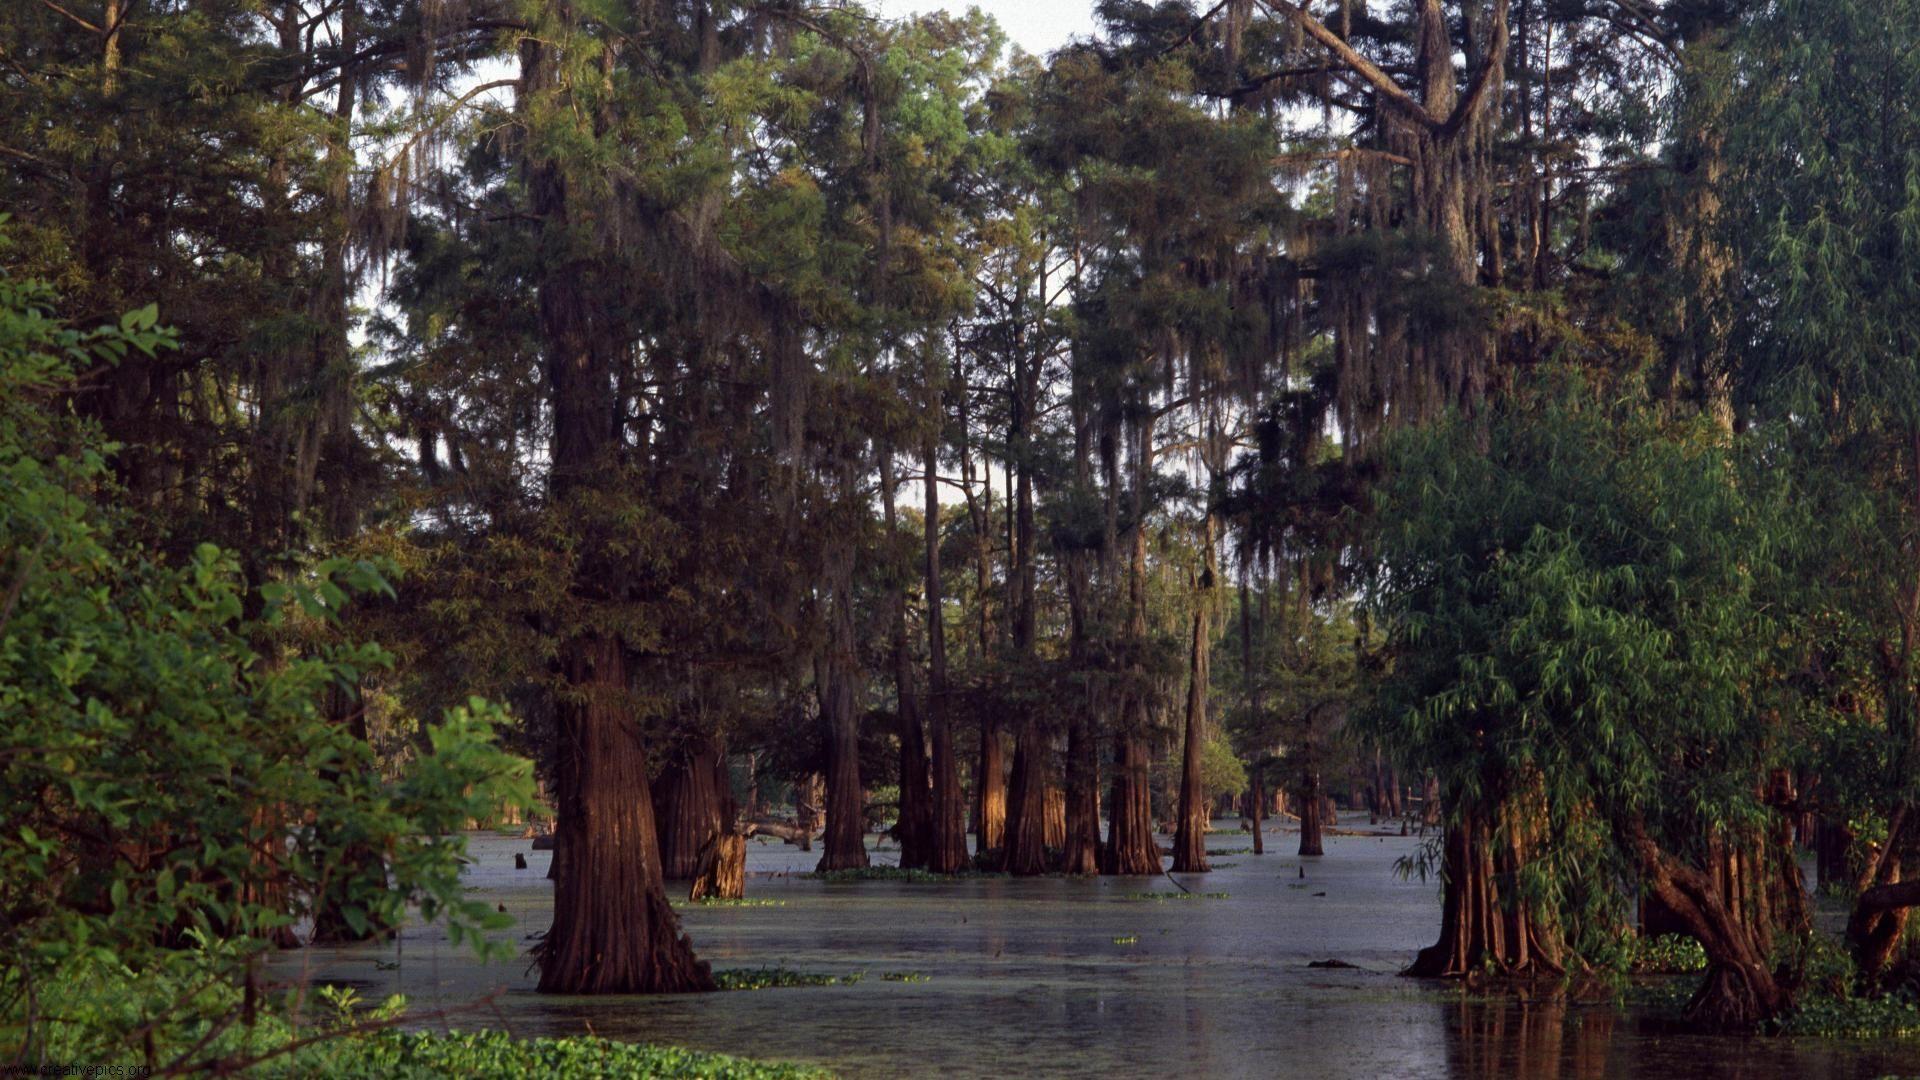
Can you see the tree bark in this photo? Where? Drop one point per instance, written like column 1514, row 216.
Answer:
column 1312, row 807
column 1481, row 927
column 1740, row 991
column 1130, row 845
column 687, row 807
column 723, row 869
column 1190, row 840
column 948, row 851
column 916, row 793
column 1026, row 848
column 613, row 931
column 837, row 671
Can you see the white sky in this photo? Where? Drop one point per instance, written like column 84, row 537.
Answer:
column 1038, row 26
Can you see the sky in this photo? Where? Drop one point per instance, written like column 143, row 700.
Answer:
column 1038, row 26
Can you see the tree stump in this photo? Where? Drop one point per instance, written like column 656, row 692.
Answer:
column 723, row 869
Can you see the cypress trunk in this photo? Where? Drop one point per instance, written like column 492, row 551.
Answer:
column 613, row 931
column 1130, row 845
column 687, row 807
column 947, row 852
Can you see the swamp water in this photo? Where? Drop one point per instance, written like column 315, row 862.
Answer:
column 1076, row 977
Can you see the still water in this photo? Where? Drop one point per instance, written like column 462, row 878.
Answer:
column 1037, row 977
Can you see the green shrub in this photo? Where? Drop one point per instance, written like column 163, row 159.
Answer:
column 173, row 791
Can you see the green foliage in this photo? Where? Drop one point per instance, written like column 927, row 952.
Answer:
column 776, row 977
column 175, row 793
column 1895, row 1016
column 1668, row 954
column 1163, row 897
column 1571, row 593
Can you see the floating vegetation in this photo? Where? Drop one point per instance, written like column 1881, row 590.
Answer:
column 889, row 873
column 906, row 976
column 776, row 977
column 1127, row 939
column 1230, row 851
column 1156, row 897
column 1896, row 1016
column 721, row 901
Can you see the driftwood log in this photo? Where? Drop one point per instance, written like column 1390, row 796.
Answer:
column 792, row 834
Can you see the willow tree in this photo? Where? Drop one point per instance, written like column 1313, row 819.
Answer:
column 1578, row 631
column 1822, row 196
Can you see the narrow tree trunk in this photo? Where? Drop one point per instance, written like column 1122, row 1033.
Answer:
column 990, row 791
column 916, row 793
column 948, row 851
column 1312, row 807
column 1190, row 840
column 1256, row 802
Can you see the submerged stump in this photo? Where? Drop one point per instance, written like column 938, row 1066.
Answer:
column 723, row 869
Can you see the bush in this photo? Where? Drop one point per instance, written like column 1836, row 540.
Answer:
column 173, row 792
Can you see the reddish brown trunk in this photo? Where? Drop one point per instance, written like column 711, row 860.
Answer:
column 1130, row 845
column 1481, row 927
column 1740, row 992
column 1080, row 847
column 687, row 808
column 613, row 930
column 1026, row 846
column 1312, row 806
column 1056, row 830
column 1878, row 922
column 947, row 852
column 990, row 792
column 723, row 869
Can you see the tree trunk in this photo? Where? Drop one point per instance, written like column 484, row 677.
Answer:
column 808, row 794
column 916, row 793
column 1480, row 926
column 838, row 673
column 1080, row 848
column 1190, row 839
column 1878, row 921
column 1256, row 802
column 1740, row 991
column 1130, row 845
column 723, row 869
column 1312, row 806
column 947, row 853
column 687, row 807
column 1026, row 847
column 1056, row 813
column 613, row 931
column 990, row 791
